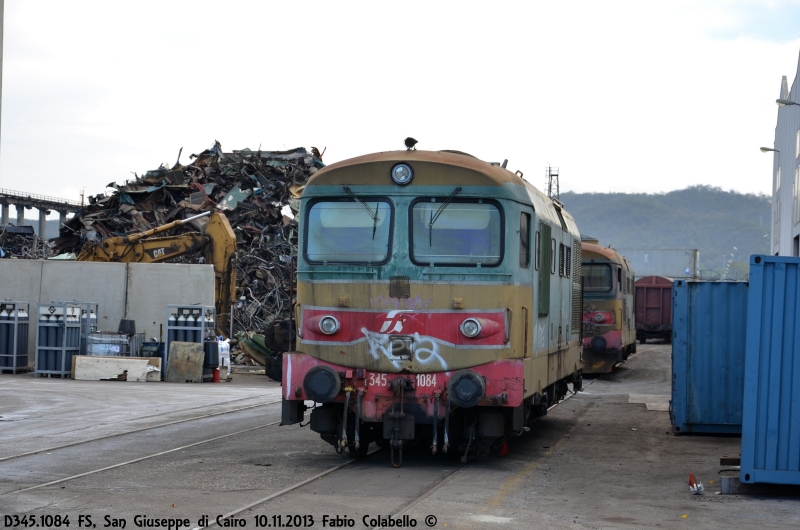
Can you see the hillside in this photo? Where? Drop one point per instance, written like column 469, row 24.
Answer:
column 702, row 217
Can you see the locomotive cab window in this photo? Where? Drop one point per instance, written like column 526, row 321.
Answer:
column 456, row 233
column 348, row 231
column 596, row 278
column 524, row 240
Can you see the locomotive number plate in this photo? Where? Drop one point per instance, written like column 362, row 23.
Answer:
column 426, row 380
column 378, row 380
column 422, row 380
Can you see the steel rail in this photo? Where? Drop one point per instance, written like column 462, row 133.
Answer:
column 410, row 504
column 284, row 491
column 175, row 422
column 444, row 480
column 425, row 494
column 135, row 460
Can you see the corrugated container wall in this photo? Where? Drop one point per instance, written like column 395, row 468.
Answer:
column 771, row 429
column 708, row 356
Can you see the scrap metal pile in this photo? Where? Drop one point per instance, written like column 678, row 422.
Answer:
column 259, row 193
column 21, row 242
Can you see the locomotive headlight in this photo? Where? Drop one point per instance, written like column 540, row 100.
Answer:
column 328, row 325
column 402, row 174
column 470, row 328
column 598, row 317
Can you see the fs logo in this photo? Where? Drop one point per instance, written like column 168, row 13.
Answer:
column 394, row 321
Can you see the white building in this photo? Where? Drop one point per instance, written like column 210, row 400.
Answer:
column 786, row 173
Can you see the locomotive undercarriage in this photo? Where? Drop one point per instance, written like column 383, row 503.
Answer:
column 470, row 432
column 603, row 361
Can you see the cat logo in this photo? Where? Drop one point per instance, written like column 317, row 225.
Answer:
column 158, row 253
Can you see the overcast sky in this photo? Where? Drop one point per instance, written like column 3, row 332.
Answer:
column 623, row 96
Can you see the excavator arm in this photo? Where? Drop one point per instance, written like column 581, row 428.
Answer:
column 152, row 250
column 218, row 245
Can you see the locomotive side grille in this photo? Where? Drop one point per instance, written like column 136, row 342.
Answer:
column 577, row 310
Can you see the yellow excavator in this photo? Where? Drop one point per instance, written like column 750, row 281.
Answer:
column 218, row 244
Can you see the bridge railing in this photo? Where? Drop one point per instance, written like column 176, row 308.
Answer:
column 25, row 195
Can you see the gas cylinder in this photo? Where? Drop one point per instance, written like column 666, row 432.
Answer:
column 208, row 329
column 191, row 331
column 22, row 337
column 5, row 330
column 172, row 321
column 199, row 321
column 59, row 342
column 181, row 323
column 41, row 351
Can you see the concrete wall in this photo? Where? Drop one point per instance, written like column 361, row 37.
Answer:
column 134, row 291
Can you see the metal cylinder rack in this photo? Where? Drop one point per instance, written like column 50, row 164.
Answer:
column 14, row 321
column 188, row 323
column 62, row 330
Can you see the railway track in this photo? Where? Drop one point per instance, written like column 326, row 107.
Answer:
column 134, row 431
column 135, row 460
column 399, row 512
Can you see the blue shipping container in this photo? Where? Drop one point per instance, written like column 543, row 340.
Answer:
column 708, row 348
column 771, row 428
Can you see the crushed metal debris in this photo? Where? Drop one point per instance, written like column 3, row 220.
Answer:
column 259, row 193
column 22, row 243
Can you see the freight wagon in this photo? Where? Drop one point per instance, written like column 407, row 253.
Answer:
column 654, row 309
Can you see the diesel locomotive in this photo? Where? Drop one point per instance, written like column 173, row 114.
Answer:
column 438, row 304
column 609, row 332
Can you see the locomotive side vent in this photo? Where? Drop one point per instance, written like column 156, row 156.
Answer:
column 399, row 287
column 577, row 310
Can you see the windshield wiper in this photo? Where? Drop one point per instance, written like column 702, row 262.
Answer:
column 435, row 216
column 373, row 215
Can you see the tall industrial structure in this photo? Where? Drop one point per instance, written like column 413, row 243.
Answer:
column 785, row 172
column 551, row 184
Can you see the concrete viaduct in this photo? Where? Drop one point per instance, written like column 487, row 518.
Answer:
column 44, row 204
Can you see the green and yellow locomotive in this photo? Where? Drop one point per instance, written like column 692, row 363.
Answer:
column 438, row 303
column 609, row 331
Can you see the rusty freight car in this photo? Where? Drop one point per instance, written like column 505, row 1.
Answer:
column 654, row 309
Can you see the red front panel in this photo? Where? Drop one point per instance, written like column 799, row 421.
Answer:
column 613, row 340
column 439, row 326
column 504, row 385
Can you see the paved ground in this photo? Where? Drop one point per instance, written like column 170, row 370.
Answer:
column 604, row 458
